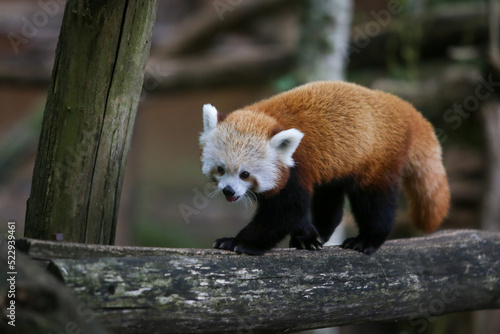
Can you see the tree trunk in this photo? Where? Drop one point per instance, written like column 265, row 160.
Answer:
column 325, row 40
column 134, row 290
column 88, row 120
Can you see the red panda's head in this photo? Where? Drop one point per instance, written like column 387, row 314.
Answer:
column 246, row 152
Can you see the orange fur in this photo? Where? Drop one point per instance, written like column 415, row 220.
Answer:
column 349, row 130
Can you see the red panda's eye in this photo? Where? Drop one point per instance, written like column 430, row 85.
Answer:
column 244, row 175
column 220, row 170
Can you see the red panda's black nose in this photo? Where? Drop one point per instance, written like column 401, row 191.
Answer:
column 228, row 191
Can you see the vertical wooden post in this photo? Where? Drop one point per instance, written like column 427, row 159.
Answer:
column 89, row 116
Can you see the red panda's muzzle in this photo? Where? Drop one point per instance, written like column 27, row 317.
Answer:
column 232, row 198
column 229, row 192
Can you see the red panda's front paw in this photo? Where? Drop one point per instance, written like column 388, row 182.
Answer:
column 224, row 243
column 239, row 247
column 313, row 242
column 360, row 244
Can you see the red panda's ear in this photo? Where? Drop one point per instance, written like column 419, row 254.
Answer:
column 277, row 129
column 285, row 143
column 221, row 117
column 210, row 118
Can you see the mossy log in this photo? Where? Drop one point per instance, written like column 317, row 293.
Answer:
column 35, row 302
column 154, row 290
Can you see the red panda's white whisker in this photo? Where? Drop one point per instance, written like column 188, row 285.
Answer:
column 214, row 191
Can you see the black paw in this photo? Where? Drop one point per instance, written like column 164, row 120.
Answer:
column 239, row 247
column 306, row 242
column 224, row 243
column 361, row 245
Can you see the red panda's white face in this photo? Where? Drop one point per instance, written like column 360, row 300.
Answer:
column 240, row 156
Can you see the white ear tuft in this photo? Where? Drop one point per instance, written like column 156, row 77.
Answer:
column 209, row 117
column 285, row 143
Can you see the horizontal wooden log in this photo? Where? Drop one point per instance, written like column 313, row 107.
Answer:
column 34, row 302
column 286, row 290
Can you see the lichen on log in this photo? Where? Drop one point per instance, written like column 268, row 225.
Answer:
column 286, row 290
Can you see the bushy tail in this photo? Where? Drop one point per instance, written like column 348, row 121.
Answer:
column 425, row 180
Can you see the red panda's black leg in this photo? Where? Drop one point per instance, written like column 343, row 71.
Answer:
column 328, row 208
column 276, row 216
column 374, row 213
column 270, row 225
column 305, row 236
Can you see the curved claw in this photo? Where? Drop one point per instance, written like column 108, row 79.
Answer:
column 224, row 243
column 359, row 244
column 237, row 246
column 300, row 242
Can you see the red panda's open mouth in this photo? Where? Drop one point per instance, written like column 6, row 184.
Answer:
column 232, row 198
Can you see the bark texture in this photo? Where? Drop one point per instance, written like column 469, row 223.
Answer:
column 41, row 303
column 212, row 291
column 88, row 120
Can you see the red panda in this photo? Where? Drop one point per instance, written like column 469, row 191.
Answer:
column 301, row 152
